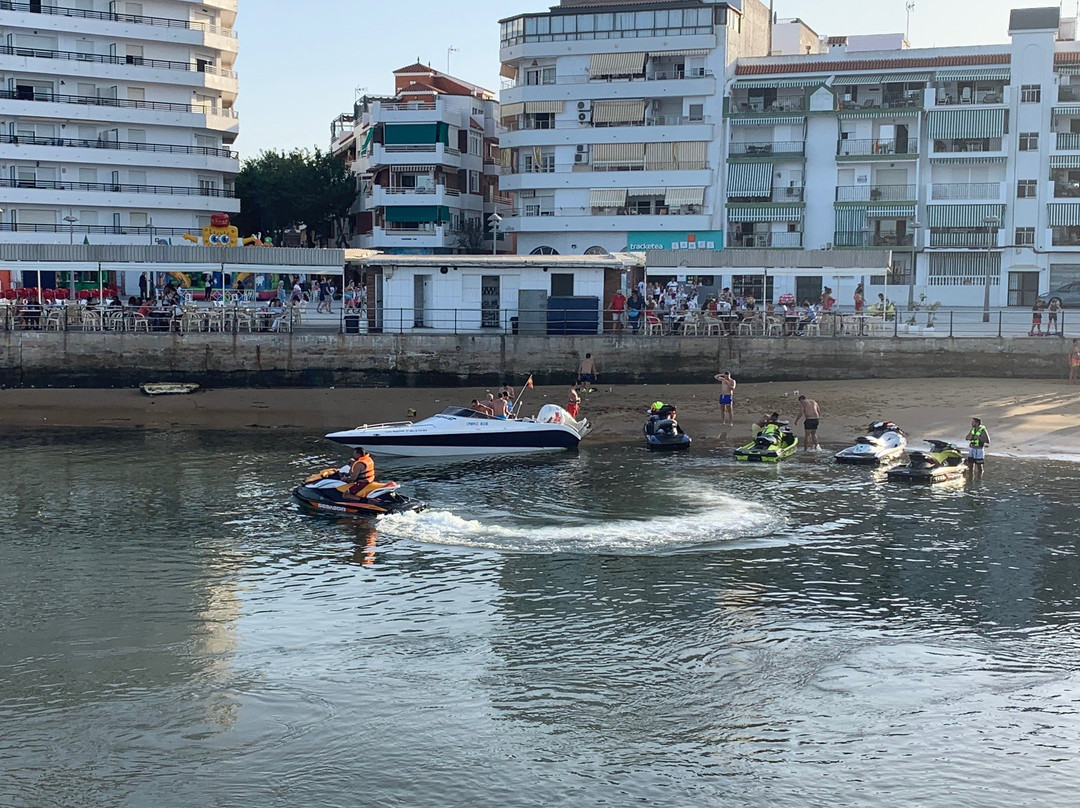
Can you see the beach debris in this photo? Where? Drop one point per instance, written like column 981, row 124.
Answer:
column 411, row 413
column 168, row 388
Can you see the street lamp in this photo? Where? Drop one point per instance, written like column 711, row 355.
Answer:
column 991, row 223
column 71, row 240
column 493, row 222
column 915, row 228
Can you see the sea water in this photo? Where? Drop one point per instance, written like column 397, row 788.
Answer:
column 604, row 628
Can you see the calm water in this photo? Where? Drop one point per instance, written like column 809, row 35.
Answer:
column 611, row 628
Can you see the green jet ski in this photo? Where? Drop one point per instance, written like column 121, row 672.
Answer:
column 773, row 443
column 944, row 462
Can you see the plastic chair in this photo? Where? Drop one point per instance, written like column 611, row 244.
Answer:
column 746, row 326
column 653, row 324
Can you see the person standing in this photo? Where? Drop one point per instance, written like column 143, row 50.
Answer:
column 1074, row 361
column 1052, row 309
column 978, row 439
column 144, row 287
column 727, row 398
column 587, row 370
column 810, row 413
column 860, row 300
column 634, row 307
column 1036, row 319
column 618, row 310
column 573, row 403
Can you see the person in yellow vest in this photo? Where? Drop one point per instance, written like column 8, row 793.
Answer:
column 978, row 439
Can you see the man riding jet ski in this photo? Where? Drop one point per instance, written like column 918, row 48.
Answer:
column 942, row 463
column 774, row 442
column 352, row 490
column 662, row 431
column 884, row 442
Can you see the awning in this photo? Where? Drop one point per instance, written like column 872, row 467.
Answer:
column 1065, row 161
column 618, row 154
column 511, row 110
column 890, row 212
column 660, row 156
column 964, row 215
column 959, row 159
column 365, row 148
column 616, row 64
column 749, row 179
column 906, row 78
column 618, row 111
column 764, row 214
column 690, row 154
column 398, row 134
column 545, row 106
column 966, row 123
column 1064, row 215
column 677, row 197
column 508, row 71
column 757, row 84
column 903, row 112
column 607, row 198
column 646, row 191
column 418, row 213
column 844, row 81
column 851, row 219
column 974, row 74
column 767, row 121
column 666, row 52
column 506, row 157
column 1067, row 109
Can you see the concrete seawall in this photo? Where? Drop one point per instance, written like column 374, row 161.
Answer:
column 104, row 359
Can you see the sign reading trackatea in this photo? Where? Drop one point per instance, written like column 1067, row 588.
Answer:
column 674, row 240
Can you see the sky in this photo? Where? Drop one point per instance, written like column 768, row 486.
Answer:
column 303, row 64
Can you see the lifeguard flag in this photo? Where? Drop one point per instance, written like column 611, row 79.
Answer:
column 528, row 383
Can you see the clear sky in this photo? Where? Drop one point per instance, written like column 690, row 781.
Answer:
column 301, row 64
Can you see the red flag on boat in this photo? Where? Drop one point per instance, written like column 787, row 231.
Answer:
column 529, row 384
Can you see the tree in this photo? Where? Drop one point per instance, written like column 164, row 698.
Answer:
column 470, row 236
column 281, row 190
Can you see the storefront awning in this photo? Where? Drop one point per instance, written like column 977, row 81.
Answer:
column 966, row 123
column 607, row 198
column 677, row 197
column 964, row 215
column 749, row 179
column 616, row 64
column 418, row 213
column 1064, row 215
column 618, row 111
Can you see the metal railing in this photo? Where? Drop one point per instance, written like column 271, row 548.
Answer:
column 1068, row 141
column 660, row 210
column 767, row 148
column 876, row 193
column 764, row 240
column 888, row 147
column 94, row 229
column 856, row 238
column 743, row 106
column 946, row 99
column 131, row 61
column 684, row 165
column 109, row 16
column 967, row 145
column 94, row 101
column 114, row 187
column 959, row 191
column 913, row 100
column 116, row 145
column 525, row 125
column 584, row 78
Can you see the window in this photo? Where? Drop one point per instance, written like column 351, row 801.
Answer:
column 540, row 75
column 1030, row 93
column 1029, row 141
column 1025, row 237
column 696, row 112
column 1025, row 189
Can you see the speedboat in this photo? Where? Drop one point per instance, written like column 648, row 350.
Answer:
column 942, row 463
column 883, row 442
column 327, row 492
column 462, row 431
column 772, row 444
column 663, row 433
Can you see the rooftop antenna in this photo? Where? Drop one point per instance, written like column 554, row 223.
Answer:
column 910, row 8
column 449, row 50
column 359, row 91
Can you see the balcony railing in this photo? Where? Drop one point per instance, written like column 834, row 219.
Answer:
column 857, row 238
column 409, row 106
column 1066, row 189
column 109, row 16
column 1067, row 94
column 525, row 125
column 764, row 240
column 661, row 210
column 116, row 188
column 777, row 195
column 946, row 99
column 967, row 145
column 93, row 229
column 136, row 61
column 767, row 148
column 877, row 146
column 116, row 145
column 1068, row 141
column 745, row 106
column 914, row 100
column 402, row 148
column 123, row 103
column 876, row 193
column 686, row 165
column 961, row 191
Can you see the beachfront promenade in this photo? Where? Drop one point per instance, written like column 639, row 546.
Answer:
column 46, row 358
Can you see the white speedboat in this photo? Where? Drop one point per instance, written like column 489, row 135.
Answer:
column 461, row 431
column 884, row 442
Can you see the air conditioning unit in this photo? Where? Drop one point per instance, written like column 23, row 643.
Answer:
column 584, row 106
column 581, row 158
column 584, row 117
column 583, row 148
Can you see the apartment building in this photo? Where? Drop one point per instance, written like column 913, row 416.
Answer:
column 116, row 119
column 614, row 121
column 426, row 161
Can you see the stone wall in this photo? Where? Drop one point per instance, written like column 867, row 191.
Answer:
column 74, row 359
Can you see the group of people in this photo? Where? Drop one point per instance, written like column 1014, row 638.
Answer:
column 496, row 406
column 1052, row 310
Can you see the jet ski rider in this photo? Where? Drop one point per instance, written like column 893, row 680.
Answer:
column 769, row 424
column 361, row 472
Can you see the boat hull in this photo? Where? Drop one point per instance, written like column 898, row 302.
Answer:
column 679, row 445
column 316, row 500
column 942, row 474
column 867, row 458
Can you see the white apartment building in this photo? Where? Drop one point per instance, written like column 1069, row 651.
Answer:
column 116, row 119
column 614, row 118
column 963, row 162
column 426, row 160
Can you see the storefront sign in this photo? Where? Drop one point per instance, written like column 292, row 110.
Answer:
column 665, row 240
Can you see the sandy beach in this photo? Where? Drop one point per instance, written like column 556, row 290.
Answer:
column 1023, row 416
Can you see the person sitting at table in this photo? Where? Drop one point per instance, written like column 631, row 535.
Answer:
column 807, row 316
column 29, row 313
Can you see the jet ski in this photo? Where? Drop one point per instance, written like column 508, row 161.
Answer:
column 942, row 463
column 773, row 443
column 662, row 431
column 327, row 492
column 883, row 442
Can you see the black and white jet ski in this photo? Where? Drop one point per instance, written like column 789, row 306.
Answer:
column 942, row 463
column 327, row 492
column 662, row 430
column 884, row 442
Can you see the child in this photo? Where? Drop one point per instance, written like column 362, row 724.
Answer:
column 573, row 404
column 1036, row 319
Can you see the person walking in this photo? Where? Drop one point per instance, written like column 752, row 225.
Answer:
column 810, row 413
column 978, row 439
column 727, row 398
column 1074, row 361
column 587, row 371
column 634, row 308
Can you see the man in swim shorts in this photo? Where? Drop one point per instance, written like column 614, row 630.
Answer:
column 727, row 398
column 810, row 414
column 978, row 439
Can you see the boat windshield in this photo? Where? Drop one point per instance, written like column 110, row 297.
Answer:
column 463, row 412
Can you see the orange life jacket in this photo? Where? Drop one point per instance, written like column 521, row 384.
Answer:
column 363, row 469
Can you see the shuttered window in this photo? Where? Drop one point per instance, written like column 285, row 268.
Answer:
column 614, row 112
column 604, row 65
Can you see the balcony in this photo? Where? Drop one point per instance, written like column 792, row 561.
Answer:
column 780, row 195
column 1068, row 141
column 525, row 124
column 768, row 150
column 967, row 146
column 966, row 191
column 414, row 154
column 117, row 188
column 117, row 145
column 884, row 238
column 1065, row 236
column 130, row 61
column 436, row 195
column 963, row 237
column 414, row 236
column 968, row 93
column 121, row 103
column 910, row 100
column 110, row 16
column 1068, row 94
column 1065, row 187
column 742, row 106
column 892, row 148
column 762, row 241
column 551, row 168
column 876, row 193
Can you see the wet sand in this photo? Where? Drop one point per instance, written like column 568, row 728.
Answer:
column 1023, row 416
